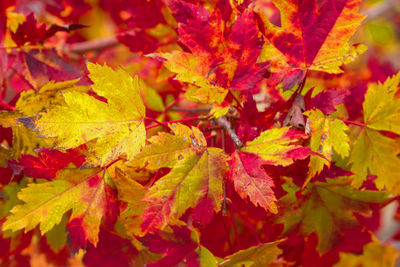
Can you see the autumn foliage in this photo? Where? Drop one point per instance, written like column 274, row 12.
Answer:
column 199, row 133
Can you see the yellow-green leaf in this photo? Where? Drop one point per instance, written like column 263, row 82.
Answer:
column 196, row 175
column 46, row 203
column 165, row 150
column 381, row 107
column 194, row 70
column 374, row 153
column 374, row 254
column 132, row 193
column 325, row 208
column 277, row 146
column 327, row 134
column 261, row 255
column 115, row 127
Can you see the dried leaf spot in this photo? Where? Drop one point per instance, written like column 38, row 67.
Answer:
column 323, row 138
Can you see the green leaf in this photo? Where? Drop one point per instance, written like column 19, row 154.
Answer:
column 325, row 208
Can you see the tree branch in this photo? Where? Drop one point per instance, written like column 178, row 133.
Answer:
column 227, row 126
column 380, row 9
column 92, row 45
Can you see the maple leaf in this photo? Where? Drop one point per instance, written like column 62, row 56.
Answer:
column 326, row 208
column 250, row 180
column 132, row 193
column 374, row 254
column 225, row 62
column 46, row 164
column 327, row 100
column 32, row 102
column 194, row 70
column 327, row 134
column 30, row 32
column 50, row 94
column 311, row 36
column 197, row 173
column 41, row 66
column 46, row 203
column 178, row 247
column 373, row 152
column 117, row 126
column 261, row 255
column 276, row 146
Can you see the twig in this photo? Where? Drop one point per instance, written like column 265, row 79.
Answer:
column 165, row 124
column 191, row 110
column 252, row 229
column 380, row 9
column 92, row 45
column 228, row 238
column 172, row 104
column 354, row 123
column 227, row 126
column 239, row 104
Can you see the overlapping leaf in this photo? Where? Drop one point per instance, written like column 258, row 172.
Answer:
column 373, row 152
column 32, row 102
column 116, row 126
column 194, row 70
column 197, row 174
column 46, row 203
column 216, row 62
column 132, row 193
column 326, row 208
column 178, row 248
column 250, row 179
column 277, row 146
column 47, row 163
column 312, row 35
column 261, row 255
column 374, row 254
column 327, row 134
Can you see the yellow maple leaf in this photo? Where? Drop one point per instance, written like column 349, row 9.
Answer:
column 196, row 175
column 33, row 101
column 30, row 103
column 132, row 193
column 46, row 203
column 374, row 254
column 166, row 149
column 194, row 70
column 275, row 146
column 381, row 108
column 327, row 134
column 374, row 153
column 115, row 127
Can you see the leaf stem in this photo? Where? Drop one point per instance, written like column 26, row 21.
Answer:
column 227, row 126
column 91, row 45
column 235, row 230
column 228, row 237
column 354, row 123
column 111, row 163
column 170, row 105
column 191, row 110
column 301, row 85
column 246, row 222
column 165, row 124
column 156, row 121
column 154, row 178
column 237, row 101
